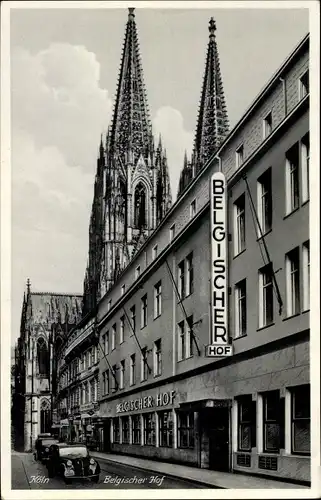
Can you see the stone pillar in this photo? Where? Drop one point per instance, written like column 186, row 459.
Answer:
column 141, row 430
column 156, row 430
column 174, row 428
column 130, row 430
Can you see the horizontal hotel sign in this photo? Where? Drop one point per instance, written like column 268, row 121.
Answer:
column 219, row 345
column 162, row 399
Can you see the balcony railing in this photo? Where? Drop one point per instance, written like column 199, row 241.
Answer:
column 79, row 336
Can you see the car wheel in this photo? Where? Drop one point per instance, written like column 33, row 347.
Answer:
column 95, row 479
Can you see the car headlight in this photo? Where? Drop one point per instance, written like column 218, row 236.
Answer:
column 92, row 461
column 69, row 463
column 47, row 449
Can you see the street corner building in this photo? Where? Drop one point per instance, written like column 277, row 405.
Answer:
column 193, row 345
column 46, row 320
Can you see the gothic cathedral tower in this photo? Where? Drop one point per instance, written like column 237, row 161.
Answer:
column 132, row 188
column 212, row 122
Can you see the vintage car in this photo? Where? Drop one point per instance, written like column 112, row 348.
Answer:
column 72, row 461
column 42, row 445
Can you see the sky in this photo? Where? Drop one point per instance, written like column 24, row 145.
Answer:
column 64, row 68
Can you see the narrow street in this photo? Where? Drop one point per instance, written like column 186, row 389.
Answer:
column 30, row 474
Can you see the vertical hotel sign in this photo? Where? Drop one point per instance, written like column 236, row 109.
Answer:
column 219, row 346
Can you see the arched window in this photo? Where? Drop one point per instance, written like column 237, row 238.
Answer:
column 140, row 218
column 45, row 418
column 42, row 357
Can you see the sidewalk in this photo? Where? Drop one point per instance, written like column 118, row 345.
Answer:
column 207, row 477
column 18, row 472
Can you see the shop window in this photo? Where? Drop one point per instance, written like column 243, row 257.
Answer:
column 301, row 420
column 292, row 179
column 264, row 202
column 186, row 432
column 246, row 423
column 265, row 296
column 239, row 225
column 166, row 429
column 157, row 299
column 125, row 430
column 144, row 311
column 292, row 267
column 116, row 430
column 149, row 429
column 136, row 429
column 273, row 422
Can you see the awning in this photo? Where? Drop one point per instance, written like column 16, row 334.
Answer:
column 205, row 403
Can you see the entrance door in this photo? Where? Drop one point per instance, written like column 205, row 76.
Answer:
column 106, row 434
column 218, row 433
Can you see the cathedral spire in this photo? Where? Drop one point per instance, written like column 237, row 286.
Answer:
column 131, row 125
column 212, row 122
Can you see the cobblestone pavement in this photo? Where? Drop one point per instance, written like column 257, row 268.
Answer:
column 27, row 473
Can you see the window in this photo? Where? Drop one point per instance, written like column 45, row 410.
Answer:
column 192, row 209
column 95, row 389
column 157, row 299
column 133, row 318
column 267, row 125
column 301, row 419
column 93, row 356
column 125, row 430
column 172, row 232
column 181, row 279
column 143, row 319
column 292, row 282
column 109, row 305
column 106, row 382
column 181, row 340
column 305, row 167
column 144, row 366
column 106, row 343
column 157, row 358
column 292, row 179
column 136, row 429
column 265, row 296
column 185, row 339
column 186, row 430
column 272, row 418
column 246, row 409
column 114, row 378
column 132, row 369
column 149, row 429
column 239, row 225
column 88, row 358
column 304, row 85
column 137, row 272
column 166, row 428
column 83, row 396
column 189, row 275
column 113, row 337
column 122, row 374
column 239, row 156
column 306, row 275
column 240, row 309
column 155, row 252
column 122, row 329
column 123, row 288
column 116, row 429
column 264, row 202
